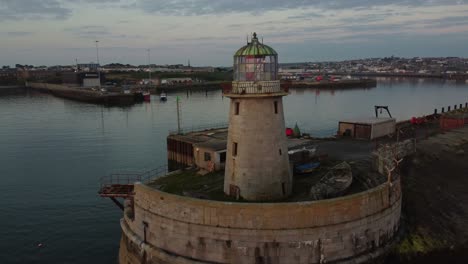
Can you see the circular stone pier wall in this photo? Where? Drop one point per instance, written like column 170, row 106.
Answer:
column 167, row 228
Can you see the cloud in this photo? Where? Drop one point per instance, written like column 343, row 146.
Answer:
column 32, row 9
column 18, row 33
column 446, row 21
column 99, row 32
column 91, row 32
column 209, row 7
column 307, row 15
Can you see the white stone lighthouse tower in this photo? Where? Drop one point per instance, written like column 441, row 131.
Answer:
column 257, row 163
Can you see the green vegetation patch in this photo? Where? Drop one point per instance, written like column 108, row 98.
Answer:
column 190, row 183
column 419, row 242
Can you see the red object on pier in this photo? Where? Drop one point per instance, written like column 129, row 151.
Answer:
column 289, row 132
column 418, row 120
column 147, row 97
column 227, row 87
column 448, row 123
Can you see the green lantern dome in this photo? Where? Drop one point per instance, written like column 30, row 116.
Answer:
column 255, row 48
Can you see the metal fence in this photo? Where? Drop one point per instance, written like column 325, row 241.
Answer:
column 199, row 128
column 131, row 178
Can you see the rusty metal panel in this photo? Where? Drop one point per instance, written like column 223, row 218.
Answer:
column 362, row 131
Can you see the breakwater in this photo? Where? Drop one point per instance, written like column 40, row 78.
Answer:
column 364, row 83
column 458, row 76
column 209, row 86
column 84, row 95
column 7, row 90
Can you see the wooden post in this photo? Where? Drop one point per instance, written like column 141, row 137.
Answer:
column 443, row 109
column 448, row 109
column 178, row 116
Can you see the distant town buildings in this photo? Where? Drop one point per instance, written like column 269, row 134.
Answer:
column 177, row 68
column 419, row 67
column 388, row 65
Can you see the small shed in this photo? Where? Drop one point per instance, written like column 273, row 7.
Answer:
column 210, row 155
column 369, row 128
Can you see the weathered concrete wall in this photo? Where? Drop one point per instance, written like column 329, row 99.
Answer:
column 83, row 95
column 343, row 126
column 199, row 157
column 186, row 230
column 383, row 129
column 260, row 169
column 212, row 165
column 45, row 86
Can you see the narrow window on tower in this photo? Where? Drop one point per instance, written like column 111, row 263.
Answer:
column 276, row 107
column 280, row 152
column 237, row 108
column 234, row 149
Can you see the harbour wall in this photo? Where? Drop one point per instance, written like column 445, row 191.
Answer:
column 14, row 89
column 346, row 84
column 83, row 95
column 159, row 227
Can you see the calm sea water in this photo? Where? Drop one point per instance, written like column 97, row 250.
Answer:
column 53, row 151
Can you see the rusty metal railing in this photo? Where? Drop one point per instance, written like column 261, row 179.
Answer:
column 199, row 128
column 131, row 178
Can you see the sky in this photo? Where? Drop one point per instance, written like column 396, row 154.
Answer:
column 208, row 32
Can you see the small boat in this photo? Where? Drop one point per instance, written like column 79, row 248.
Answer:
column 334, row 183
column 146, row 96
column 163, row 96
column 306, row 168
column 308, row 149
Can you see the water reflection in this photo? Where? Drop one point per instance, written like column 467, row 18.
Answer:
column 53, row 152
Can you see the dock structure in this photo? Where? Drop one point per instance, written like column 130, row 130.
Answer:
column 207, row 148
column 182, row 149
column 84, row 95
column 345, row 84
column 121, row 185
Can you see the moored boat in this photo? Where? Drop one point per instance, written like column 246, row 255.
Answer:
column 334, row 183
column 146, row 96
column 306, row 168
column 163, row 96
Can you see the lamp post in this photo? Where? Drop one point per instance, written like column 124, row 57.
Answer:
column 97, row 57
column 149, row 68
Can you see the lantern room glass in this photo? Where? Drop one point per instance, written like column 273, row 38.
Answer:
column 253, row 68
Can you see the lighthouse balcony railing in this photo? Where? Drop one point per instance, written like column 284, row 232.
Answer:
column 258, row 87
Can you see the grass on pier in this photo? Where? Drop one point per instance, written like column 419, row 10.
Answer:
column 190, row 183
column 211, row 185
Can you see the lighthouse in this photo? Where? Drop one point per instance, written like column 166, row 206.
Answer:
column 257, row 163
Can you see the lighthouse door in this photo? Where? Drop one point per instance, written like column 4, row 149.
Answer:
column 234, row 191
